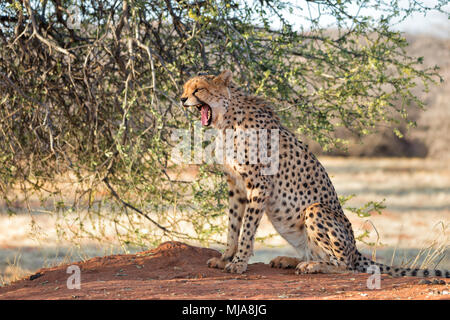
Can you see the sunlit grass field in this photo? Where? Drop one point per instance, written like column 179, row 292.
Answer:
column 413, row 229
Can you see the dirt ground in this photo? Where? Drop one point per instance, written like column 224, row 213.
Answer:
column 176, row 270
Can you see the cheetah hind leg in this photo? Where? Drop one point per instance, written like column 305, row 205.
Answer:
column 283, row 262
column 306, row 267
column 319, row 267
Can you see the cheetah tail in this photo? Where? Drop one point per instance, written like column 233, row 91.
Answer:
column 362, row 264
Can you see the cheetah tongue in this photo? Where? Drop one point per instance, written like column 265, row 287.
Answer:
column 205, row 115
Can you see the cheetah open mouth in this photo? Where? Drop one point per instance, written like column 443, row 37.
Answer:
column 206, row 114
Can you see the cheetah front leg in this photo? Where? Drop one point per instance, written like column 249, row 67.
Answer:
column 257, row 190
column 237, row 202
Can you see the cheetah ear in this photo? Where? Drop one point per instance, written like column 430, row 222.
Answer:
column 224, row 78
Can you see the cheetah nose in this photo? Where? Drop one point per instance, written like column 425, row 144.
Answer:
column 183, row 100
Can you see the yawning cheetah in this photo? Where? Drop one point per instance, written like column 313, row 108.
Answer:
column 299, row 199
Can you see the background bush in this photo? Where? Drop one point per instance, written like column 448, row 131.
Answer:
column 89, row 94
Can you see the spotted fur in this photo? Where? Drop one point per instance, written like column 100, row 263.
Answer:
column 299, row 199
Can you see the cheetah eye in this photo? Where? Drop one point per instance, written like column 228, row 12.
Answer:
column 197, row 90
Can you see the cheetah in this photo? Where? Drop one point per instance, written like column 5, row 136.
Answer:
column 299, row 199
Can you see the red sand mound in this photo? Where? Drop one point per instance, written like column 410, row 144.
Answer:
column 178, row 271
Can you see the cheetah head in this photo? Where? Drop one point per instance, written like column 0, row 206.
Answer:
column 210, row 95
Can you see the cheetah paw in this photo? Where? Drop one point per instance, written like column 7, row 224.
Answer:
column 309, row 267
column 218, row 263
column 284, row 262
column 236, row 267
